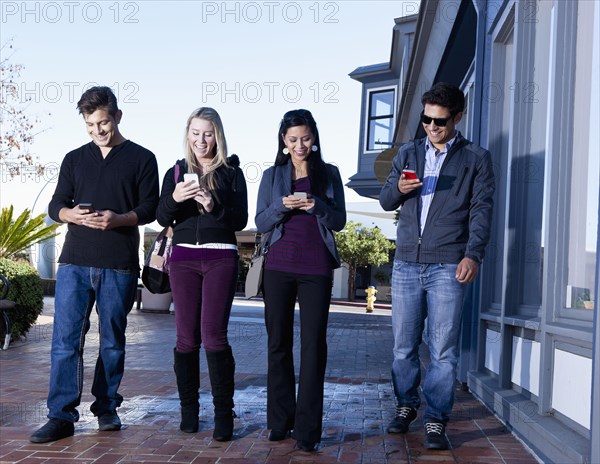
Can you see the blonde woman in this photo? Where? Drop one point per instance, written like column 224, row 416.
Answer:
column 206, row 212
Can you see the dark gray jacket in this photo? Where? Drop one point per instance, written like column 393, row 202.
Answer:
column 459, row 219
column 330, row 212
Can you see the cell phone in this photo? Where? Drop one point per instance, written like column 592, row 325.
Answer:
column 301, row 195
column 409, row 174
column 191, row 177
column 87, row 206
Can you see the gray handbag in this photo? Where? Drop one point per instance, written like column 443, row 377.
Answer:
column 254, row 276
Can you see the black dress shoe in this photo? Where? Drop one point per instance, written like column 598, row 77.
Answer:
column 109, row 421
column 277, row 435
column 306, row 445
column 55, row 429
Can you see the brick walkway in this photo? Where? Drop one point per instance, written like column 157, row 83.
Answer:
column 358, row 402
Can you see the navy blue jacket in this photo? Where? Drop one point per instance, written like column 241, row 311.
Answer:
column 330, row 212
column 459, row 219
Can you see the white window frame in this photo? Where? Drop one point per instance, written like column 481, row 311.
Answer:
column 393, row 88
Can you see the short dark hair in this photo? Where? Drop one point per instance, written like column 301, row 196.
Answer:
column 96, row 98
column 446, row 95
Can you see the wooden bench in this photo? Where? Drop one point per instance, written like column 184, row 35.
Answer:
column 5, row 306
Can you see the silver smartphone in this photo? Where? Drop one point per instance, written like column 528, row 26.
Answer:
column 301, row 195
column 190, row 177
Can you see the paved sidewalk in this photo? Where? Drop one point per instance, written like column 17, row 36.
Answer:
column 358, row 402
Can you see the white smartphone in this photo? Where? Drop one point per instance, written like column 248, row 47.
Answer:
column 190, row 177
column 301, row 195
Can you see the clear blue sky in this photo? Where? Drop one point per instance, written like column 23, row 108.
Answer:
column 251, row 61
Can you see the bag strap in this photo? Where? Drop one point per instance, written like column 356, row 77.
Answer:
column 257, row 244
column 176, row 172
column 261, row 243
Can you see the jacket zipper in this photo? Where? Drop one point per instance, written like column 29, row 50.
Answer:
column 198, row 230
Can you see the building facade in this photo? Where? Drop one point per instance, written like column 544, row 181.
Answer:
column 530, row 73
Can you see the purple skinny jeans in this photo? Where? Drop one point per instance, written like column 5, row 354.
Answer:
column 203, row 282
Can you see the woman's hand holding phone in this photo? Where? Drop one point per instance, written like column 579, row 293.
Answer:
column 187, row 189
column 298, row 200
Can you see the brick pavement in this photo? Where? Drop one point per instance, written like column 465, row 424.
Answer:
column 358, row 402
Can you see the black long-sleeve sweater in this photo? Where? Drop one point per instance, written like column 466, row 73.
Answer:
column 126, row 180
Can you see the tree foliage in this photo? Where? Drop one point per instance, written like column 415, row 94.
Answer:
column 361, row 246
column 18, row 235
column 17, row 127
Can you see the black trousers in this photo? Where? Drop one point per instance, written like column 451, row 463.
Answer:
column 284, row 412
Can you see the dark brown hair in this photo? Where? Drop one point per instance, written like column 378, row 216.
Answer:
column 100, row 97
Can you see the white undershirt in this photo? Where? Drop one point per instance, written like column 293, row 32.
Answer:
column 218, row 246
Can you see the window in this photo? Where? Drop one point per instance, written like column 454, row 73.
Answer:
column 380, row 123
column 518, row 118
column 585, row 169
column 499, row 120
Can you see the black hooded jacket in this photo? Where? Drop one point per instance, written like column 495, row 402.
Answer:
column 229, row 214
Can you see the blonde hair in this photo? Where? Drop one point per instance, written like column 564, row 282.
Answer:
column 219, row 152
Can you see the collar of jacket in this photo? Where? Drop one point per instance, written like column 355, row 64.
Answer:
column 419, row 146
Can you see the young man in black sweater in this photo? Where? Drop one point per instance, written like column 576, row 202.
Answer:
column 105, row 190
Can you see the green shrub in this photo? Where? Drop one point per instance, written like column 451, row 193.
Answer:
column 26, row 291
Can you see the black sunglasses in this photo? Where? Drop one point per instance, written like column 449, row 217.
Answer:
column 439, row 122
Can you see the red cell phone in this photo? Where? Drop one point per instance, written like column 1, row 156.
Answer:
column 409, row 174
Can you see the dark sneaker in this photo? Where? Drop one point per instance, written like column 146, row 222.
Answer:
column 55, row 429
column 109, row 421
column 435, row 436
column 405, row 415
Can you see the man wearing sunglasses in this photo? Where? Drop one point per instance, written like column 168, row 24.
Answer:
column 444, row 187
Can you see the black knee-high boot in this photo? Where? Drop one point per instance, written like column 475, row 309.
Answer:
column 221, row 369
column 187, row 371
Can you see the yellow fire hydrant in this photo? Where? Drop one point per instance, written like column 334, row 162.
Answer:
column 371, row 291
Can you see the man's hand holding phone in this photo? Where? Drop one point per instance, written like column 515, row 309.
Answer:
column 408, row 181
column 77, row 214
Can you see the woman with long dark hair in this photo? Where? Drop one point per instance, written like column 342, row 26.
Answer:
column 300, row 204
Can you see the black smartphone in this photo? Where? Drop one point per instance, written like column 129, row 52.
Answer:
column 87, row 206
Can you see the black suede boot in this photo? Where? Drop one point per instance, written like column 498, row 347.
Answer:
column 187, row 371
column 221, row 369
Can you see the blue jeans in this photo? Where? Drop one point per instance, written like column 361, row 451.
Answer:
column 426, row 292
column 77, row 289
